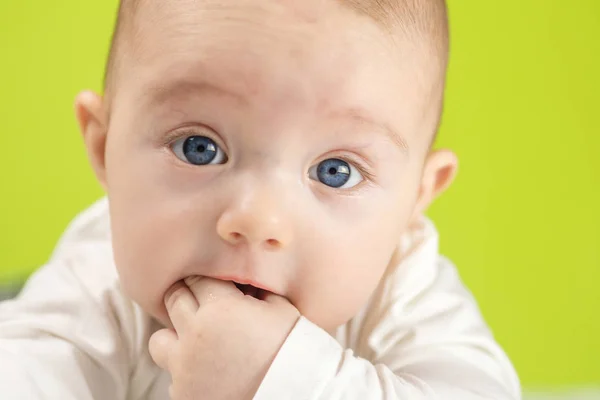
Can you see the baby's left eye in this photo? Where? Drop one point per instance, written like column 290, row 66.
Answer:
column 336, row 173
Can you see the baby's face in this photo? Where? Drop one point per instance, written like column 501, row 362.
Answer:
column 273, row 143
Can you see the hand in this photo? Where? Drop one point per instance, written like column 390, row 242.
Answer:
column 224, row 342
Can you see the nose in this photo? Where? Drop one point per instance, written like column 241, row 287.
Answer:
column 258, row 219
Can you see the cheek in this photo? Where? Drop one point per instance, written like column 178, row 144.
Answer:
column 156, row 232
column 343, row 274
column 342, row 285
column 149, row 251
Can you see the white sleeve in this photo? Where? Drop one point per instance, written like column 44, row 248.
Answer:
column 428, row 342
column 58, row 341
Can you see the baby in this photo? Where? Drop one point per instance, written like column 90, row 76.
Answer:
column 267, row 164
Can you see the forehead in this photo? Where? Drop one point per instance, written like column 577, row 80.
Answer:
column 314, row 33
column 311, row 52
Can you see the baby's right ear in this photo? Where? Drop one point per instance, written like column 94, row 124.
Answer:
column 93, row 123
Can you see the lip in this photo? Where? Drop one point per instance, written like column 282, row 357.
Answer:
column 244, row 281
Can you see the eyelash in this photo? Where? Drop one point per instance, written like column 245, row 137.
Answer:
column 173, row 136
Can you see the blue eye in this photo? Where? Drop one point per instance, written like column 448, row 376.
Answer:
column 199, row 150
column 336, row 173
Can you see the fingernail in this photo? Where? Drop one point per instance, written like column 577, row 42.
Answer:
column 191, row 280
column 169, row 294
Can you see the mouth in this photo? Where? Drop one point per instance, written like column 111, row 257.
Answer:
column 251, row 291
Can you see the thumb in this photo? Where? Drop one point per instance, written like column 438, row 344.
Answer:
column 280, row 302
column 160, row 345
column 274, row 298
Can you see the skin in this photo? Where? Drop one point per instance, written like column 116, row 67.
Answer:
column 279, row 86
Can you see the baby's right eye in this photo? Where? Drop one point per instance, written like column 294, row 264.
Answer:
column 199, row 150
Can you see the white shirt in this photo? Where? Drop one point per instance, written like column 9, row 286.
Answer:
column 72, row 334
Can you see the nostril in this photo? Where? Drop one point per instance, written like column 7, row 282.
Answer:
column 235, row 236
column 273, row 243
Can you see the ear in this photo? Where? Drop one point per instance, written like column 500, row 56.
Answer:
column 93, row 124
column 440, row 170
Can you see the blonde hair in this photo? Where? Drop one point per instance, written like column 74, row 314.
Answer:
column 427, row 19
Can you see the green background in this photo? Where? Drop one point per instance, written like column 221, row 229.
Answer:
column 522, row 221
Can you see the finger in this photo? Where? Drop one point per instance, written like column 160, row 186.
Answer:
column 181, row 306
column 278, row 300
column 160, row 345
column 207, row 290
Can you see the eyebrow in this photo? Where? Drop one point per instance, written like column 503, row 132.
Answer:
column 363, row 117
column 162, row 93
